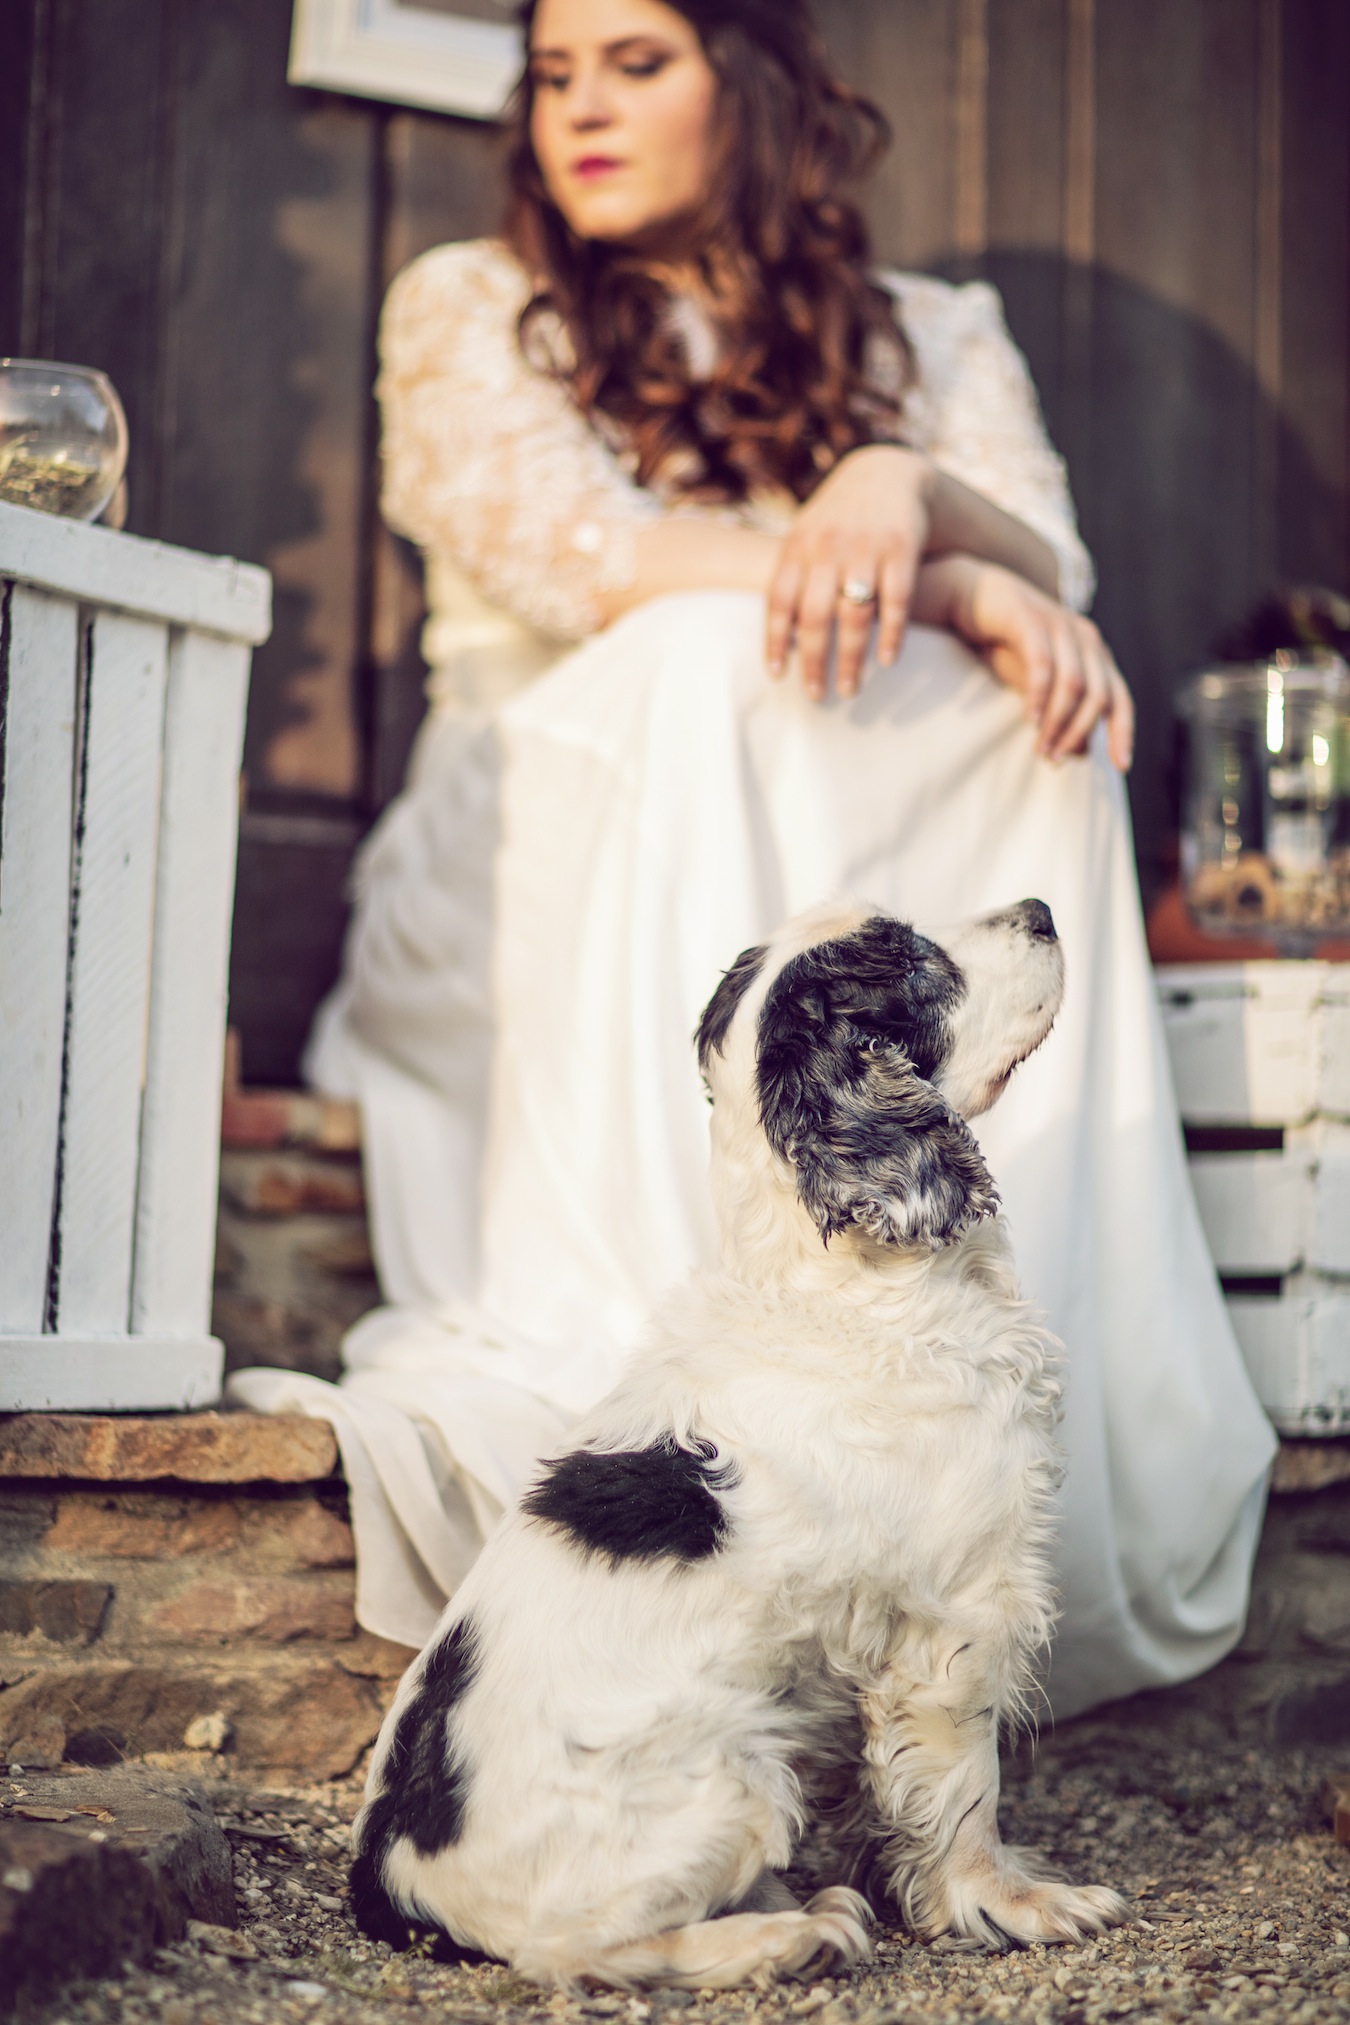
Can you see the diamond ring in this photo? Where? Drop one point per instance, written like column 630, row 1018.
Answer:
column 857, row 591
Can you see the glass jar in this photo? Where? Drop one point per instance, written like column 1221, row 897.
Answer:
column 1265, row 841
column 63, row 438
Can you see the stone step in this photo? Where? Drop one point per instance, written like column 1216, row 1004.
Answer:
column 257, row 1117
column 97, row 1869
column 172, row 1580
column 191, row 1448
column 303, row 1714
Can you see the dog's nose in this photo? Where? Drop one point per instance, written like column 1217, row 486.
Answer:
column 1038, row 920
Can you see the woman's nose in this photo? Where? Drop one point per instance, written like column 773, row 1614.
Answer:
column 587, row 105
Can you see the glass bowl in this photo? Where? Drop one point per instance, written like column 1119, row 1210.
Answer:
column 1265, row 840
column 63, row 438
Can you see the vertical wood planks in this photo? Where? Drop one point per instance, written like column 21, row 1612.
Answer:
column 1078, row 300
column 1311, row 507
column 970, row 124
column 101, row 210
column 180, row 1129
column 1025, row 157
column 117, row 780
column 1173, row 397
column 38, row 642
column 1267, row 316
column 905, row 54
column 442, row 180
column 270, row 439
column 269, row 454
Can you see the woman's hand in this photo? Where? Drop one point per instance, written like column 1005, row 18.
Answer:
column 865, row 528
column 1056, row 660
column 854, row 550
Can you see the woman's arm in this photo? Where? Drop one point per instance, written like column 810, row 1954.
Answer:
column 681, row 552
column 964, row 522
column 1055, row 659
column 871, row 523
column 488, row 462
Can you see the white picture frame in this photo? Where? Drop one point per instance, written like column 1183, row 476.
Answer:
column 405, row 54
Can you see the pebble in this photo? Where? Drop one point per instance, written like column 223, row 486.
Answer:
column 221, row 1940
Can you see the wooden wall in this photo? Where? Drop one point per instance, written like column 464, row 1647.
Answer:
column 1161, row 189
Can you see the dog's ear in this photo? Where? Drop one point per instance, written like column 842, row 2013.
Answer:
column 720, row 1010
column 874, row 1145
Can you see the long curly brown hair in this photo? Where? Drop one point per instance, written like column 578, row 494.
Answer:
column 811, row 361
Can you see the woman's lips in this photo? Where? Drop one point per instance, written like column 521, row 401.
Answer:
column 591, row 166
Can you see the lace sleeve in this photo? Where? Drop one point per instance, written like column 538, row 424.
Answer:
column 976, row 414
column 486, row 460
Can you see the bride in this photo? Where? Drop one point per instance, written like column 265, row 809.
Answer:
column 754, row 581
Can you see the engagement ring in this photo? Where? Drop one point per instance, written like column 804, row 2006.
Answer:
column 857, row 591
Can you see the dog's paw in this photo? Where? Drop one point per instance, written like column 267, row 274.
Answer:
column 1015, row 1913
column 830, row 1934
column 846, row 1912
column 758, row 1948
column 998, row 1898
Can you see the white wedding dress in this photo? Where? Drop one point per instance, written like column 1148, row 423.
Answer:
column 588, row 837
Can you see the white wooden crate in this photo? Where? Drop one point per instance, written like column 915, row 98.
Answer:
column 123, row 676
column 1258, row 1043
column 1274, row 1212
column 1264, row 1045
column 1297, row 1349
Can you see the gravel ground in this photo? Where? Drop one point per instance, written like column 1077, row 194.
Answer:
column 1240, row 1893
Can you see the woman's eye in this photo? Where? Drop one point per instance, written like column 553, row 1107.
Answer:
column 550, row 80
column 644, row 66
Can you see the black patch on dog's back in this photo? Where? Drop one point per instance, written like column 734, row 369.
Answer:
column 720, row 1010
column 424, row 1787
column 637, row 1504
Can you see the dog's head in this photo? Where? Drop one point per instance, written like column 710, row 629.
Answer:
column 859, row 1047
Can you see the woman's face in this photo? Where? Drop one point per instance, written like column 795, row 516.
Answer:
column 624, row 103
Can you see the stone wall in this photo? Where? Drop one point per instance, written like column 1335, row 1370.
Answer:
column 176, row 1579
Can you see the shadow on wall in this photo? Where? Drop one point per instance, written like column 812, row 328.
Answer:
column 1195, row 494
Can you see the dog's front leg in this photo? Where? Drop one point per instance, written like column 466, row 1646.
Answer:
column 931, row 1757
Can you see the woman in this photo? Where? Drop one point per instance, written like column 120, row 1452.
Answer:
column 822, row 562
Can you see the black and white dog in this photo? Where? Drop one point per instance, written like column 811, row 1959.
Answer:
column 793, row 1570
